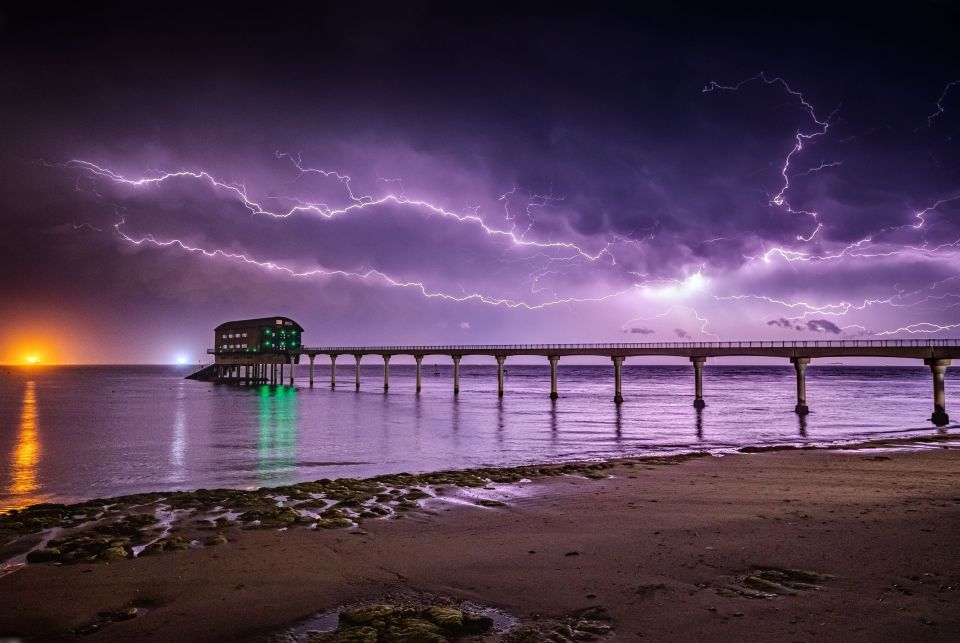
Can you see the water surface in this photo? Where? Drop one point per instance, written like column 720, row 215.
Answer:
column 71, row 433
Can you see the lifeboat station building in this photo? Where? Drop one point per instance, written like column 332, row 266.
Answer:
column 254, row 351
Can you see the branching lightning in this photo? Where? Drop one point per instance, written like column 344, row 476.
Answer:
column 365, row 275
column 358, row 202
column 549, row 259
column 800, row 139
column 943, row 95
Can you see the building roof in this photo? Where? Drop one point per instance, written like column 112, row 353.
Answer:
column 260, row 321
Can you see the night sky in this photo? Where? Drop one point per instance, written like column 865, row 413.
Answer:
column 482, row 172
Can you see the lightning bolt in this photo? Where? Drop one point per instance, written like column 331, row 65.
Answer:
column 943, row 95
column 358, row 202
column 365, row 275
column 800, row 139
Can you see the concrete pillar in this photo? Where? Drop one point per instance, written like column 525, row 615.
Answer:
column 456, row 374
column 333, row 371
column 698, row 363
column 273, row 375
column 800, row 363
column 617, row 379
column 553, row 376
column 358, row 358
column 280, row 381
column 419, row 359
column 293, row 369
column 312, row 357
column 386, row 373
column 500, row 360
column 938, row 367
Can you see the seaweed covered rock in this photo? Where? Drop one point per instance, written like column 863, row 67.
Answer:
column 116, row 552
column 271, row 518
column 361, row 634
column 44, row 554
column 371, row 614
column 216, row 539
column 448, row 618
column 408, row 623
column 177, row 543
column 334, row 523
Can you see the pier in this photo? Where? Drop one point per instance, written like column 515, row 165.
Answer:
column 268, row 367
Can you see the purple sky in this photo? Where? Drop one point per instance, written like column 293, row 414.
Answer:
column 557, row 174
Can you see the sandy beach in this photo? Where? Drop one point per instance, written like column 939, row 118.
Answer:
column 667, row 551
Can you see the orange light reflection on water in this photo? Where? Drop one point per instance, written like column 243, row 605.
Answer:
column 26, row 454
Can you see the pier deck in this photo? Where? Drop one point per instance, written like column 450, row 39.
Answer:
column 935, row 353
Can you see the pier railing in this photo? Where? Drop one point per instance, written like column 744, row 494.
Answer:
column 812, row 343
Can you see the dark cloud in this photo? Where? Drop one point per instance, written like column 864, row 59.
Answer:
column 682, row 334
column 823, row 326
column 815, row 325
column 783, row 322
column 556, row 124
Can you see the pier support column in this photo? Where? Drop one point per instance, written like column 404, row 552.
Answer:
column 500, row 360
column 553, row 376
column 273, row 375
column 617, row 379
column 358, row 358
column 312, row 357
column 938, row 367
column 280, row 381
column 456, row 374
column 800, row 363
column 419, row 359
column 698, row 363
column 386, row 373
column 333, row 371
column 293, row 369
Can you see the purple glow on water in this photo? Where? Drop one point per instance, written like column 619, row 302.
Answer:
column 82, row 432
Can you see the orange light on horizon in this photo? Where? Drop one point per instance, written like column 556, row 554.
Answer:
column 44, row 338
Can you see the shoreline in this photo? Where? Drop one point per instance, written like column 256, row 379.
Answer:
column 894, row 443
column 664, row 550
column 835, row 445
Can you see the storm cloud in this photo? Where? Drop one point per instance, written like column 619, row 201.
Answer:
column 382, row 173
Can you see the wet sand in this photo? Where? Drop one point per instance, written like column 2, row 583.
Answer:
column 664, row 548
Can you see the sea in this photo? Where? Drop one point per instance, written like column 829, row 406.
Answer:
column 70, row 433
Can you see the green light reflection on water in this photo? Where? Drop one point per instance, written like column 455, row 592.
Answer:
column 277, row 439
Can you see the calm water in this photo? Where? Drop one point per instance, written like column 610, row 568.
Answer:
column 69, row 433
